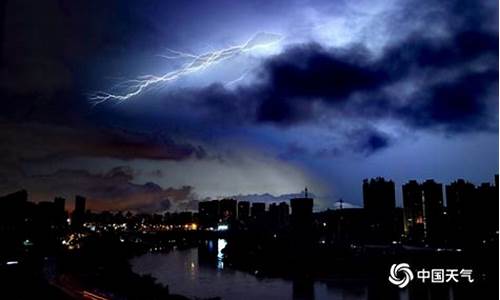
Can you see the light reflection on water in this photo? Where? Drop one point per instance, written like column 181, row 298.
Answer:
column 199, row 272
column 221, row 244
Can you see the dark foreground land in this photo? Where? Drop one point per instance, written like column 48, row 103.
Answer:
column 98, row 270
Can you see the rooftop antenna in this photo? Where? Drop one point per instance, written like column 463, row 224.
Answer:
column 306, row 191
column 341, row 203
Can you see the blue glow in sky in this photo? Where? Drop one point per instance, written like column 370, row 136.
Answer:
column 158, row 105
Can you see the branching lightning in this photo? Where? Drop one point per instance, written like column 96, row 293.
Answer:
column 195, row 63
column 234, row 81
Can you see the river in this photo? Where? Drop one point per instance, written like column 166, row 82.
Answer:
column 200, row 273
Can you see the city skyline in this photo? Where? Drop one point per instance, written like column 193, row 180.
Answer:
column 269, row 200
column 288, row 240
column 425, row 219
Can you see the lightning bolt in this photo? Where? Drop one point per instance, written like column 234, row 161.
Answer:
column 196, row 63
column 240, row 78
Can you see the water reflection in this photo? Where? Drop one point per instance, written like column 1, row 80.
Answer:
column 221, row 244
column 200, row 272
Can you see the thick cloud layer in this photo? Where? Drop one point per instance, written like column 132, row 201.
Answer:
column 452, row 85
column 35, row 142
column 346, row 75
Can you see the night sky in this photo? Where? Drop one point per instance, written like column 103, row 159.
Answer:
column 156, row 105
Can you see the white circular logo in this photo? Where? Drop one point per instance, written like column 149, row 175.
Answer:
column 400, row 274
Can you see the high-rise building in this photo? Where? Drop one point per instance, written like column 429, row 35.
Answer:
column 13, row 210
column 432, row 196
column 60, row 204
column 459, row 206
column 243, row 210
column 78, row 216
column 80, row 204
column 284, row 213
column 258, row 210
column 13, row 203
column 302, row 209
column 494, row 210
column 208, row 213
column 379, row 199
column 274, row 213
column 279, row 214
column 379, row 195
column 486, row 211
column 423, row 211
column 301, row 221
column 60, row 207
column 413, row 211
column 228, row 210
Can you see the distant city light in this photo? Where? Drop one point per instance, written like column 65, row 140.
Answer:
column 12, row 262
column 222, row 227
column 192, row 226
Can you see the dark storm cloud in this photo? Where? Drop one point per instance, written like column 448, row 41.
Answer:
column 312, row 71
column 307, row 73
column 457, row 105
column 365, row 140
column 35, row 142
column 301, row 76
column 112, row 190
column 418, row 53
column 454, row 79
